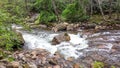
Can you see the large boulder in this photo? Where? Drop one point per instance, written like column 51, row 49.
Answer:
column 60, row 38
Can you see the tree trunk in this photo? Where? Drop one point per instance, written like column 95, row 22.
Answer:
column 110, row 9
column 118, row 10
column 26, row 5
column 101, row 10
column 91, row 7
column 55, row 10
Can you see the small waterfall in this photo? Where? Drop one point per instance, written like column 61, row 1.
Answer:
column 43, row 40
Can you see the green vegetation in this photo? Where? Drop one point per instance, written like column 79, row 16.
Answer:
column 73, row 13
column 9, row 14
column 97, row 64
column 74, row 10
column 6, row 55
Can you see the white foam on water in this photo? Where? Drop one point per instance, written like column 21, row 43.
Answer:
column 67, row 49
column 109, row 46
column 14, row 26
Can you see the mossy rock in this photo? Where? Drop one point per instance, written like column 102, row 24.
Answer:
column 20, row 38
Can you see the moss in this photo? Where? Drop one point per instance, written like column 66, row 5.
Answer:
column 113, row 67
column 10, row 59
column 66, row 34
column 97, row 64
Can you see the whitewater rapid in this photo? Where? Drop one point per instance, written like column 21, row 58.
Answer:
column 67, row 49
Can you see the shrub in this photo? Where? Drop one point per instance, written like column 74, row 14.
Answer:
column 45, row 17
column 8, row 38
column 73, row 14
column 41, row 5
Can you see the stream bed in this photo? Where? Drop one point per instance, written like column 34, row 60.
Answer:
column 85, row 47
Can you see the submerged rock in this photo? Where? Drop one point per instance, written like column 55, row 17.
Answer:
column 60, row 38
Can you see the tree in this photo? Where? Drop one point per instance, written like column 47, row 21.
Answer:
column 118, row 10
column 26, row 5
column 55, row 10
column 101, row 10
column 110, row 9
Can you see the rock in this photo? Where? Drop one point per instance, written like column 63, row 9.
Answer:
column 33, row 18
column 76, row 65
column 60, row 38
column 53, row 62
column 49, row 67
column 1, row 66
column 9, row 66
column 60, row 27
column 56, row 66
column 70, row 58
column 100, row 27
column 32, row 65
column 29, row 65
column 43, row 60
column 20, row 38
column 26, row 66
column 70, row 27
column 116, row 47
column 20, row 56
column 15, row 64
column 43, row 26
column 33, row 54
column 89, row 26
column 54, row 29
column 38, row 26
column 76, row 25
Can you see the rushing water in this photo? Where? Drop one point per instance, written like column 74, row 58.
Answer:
column 43, row 40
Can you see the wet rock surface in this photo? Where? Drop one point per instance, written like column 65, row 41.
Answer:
column 104, row 46
column 60, row 38
column 37, row 58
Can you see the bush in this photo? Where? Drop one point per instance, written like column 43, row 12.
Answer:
column 42, row 5
column 8, row 38
column 46, row 17
column 73, row 14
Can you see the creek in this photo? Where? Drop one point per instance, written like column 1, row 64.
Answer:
column 86, row 46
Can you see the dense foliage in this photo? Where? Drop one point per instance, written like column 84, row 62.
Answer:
column 9, row 14
column 74, row 13
column 73, row 10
